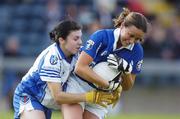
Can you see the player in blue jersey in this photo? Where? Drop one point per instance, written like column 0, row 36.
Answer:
column 121, row 48
column 41, row 89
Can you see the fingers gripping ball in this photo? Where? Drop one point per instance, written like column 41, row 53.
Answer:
column 108, row 73
column 119, row 63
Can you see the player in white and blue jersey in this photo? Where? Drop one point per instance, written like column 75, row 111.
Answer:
column 121, row 48
column 41, row 89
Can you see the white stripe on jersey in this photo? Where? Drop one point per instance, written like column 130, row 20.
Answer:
column 50, row 66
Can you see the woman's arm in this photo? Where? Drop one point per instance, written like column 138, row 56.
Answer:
column 128, row 81
column 62, row 97
column 84, row 71
column 122, row 65
column 94, row 96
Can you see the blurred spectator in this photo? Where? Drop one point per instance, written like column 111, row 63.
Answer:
column 157, row 44
column 136, row 5
column 71, row 11
column 53, row 13
column 104, row 10
column 89, row 29
column 12, row 47
column 10, row 77
column 174, row 36
column 85, row 15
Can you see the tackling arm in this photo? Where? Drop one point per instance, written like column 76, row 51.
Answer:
column 96, row 97
column 61, row 97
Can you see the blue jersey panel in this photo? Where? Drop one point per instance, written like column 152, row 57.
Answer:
column 100, row 45
column 104, row 42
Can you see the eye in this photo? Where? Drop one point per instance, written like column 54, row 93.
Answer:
column 76, row 38
column 132, row 36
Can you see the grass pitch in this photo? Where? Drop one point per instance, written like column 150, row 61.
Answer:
column 57, row 115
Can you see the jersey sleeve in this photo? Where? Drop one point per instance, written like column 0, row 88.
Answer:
column 50, row 68
column 137, row 66
column 94, row 43
column 138, row 61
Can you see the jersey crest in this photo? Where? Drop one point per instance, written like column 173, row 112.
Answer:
column 53, row 59
column 139, row 65
column 89, row 44
column 24, row 99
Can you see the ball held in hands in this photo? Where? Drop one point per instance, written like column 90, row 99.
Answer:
column 109, row 74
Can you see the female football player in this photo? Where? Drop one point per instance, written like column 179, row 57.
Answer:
column 41, row 88
column 121, row 48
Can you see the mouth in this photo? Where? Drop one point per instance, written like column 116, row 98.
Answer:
column 78, row 48
column 125, row 43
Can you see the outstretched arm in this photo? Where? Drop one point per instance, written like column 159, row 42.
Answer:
column 96, row 97
column 62, row 97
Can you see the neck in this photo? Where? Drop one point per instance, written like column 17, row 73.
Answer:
column 67, row 54
column 119, row 44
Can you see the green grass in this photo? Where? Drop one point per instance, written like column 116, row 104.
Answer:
column 56, row 115
column 145, row 117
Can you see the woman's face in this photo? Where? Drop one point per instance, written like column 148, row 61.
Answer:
column 130, row 35
column 72, row 43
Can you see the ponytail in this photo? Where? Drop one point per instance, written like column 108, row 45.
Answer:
column 118, row 21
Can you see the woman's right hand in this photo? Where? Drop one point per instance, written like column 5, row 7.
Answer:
column 100, row 98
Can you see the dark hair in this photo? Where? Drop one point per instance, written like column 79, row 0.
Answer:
column 63, row 29
column 131, row 18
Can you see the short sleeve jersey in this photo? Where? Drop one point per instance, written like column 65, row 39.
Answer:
column 104, row 42
column 50, row 66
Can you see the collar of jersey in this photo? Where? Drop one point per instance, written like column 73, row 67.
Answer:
column 60, row 52
column 116, row 36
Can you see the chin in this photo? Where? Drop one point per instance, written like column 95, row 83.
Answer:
column 73, row 53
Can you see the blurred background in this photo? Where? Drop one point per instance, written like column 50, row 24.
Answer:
column 24, row 27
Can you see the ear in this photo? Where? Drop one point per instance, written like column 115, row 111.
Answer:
column 122, row 24
column 61, row 40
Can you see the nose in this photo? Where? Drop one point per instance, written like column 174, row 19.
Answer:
column 80, row 41
column 130, row 41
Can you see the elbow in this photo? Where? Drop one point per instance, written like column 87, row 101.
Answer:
column 78, row 70
column 126, row 88
column 127, row 83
